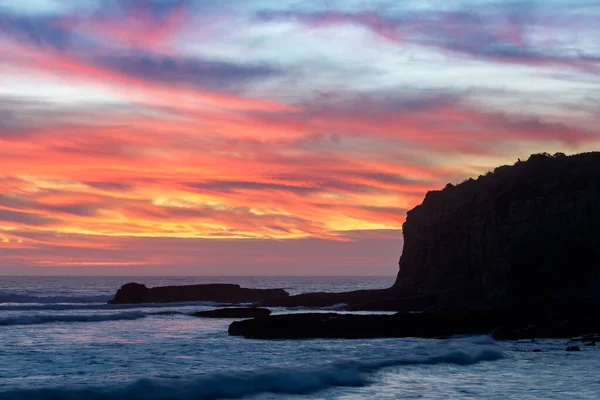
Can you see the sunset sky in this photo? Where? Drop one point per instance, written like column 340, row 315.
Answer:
column 269, row 136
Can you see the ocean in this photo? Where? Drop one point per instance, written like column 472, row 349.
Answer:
column 60, row 340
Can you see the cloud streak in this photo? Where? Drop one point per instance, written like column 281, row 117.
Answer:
column 481, row 32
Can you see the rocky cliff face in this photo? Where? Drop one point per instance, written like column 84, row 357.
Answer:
column 522, row 234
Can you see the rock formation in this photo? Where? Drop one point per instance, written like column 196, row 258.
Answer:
column 135, row 293
column 527, row 234
column 522, row 234
column 376, row 299
column 506, row 323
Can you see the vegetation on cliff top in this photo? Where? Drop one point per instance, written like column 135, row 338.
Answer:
column 541, row 174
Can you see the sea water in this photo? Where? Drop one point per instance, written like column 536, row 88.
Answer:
column 60, row 340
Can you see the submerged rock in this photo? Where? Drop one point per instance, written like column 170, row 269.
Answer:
column 135, row 293
column 241, row 312
column 573, row 348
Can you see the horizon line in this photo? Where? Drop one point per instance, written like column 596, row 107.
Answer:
column 193, row 276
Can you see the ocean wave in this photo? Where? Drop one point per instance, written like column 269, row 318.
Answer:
column 48, row 319
column 340, row 307
column 97, row 306
column 20, row 298
column 288, row 381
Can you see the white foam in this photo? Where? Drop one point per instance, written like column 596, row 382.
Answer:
column 291, row 381
column 48, row 319
column 20, row 298
column 96, row 306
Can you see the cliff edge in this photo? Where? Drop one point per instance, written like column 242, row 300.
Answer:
column 526, row 235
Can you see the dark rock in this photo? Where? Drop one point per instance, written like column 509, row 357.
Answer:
column 131, row 293
column 502, row 323
column 522, row 235
column 313, row 325
column 515, row 252
column 536, row 350
column 592, row 343
column 135, row 293
column 353, row 326
column 241, row 312
column 565, row 321
column 573, row 348
column 382, row 299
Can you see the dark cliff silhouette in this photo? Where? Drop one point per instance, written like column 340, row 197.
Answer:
column 527, row 233
column 515, row 252
column 522, row 234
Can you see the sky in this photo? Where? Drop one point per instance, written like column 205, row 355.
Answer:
column 269, row 137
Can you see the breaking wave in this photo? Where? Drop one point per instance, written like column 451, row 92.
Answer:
column 290, row 381
column 19, row 298
column 104, row 306
column 48, row 319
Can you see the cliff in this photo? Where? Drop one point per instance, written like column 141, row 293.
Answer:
column 515, row 253
column 522, row 235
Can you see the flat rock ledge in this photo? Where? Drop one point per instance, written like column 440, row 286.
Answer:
column 135, row 293
column 503, row 324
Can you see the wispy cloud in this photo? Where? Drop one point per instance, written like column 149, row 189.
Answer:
column 515, row 34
